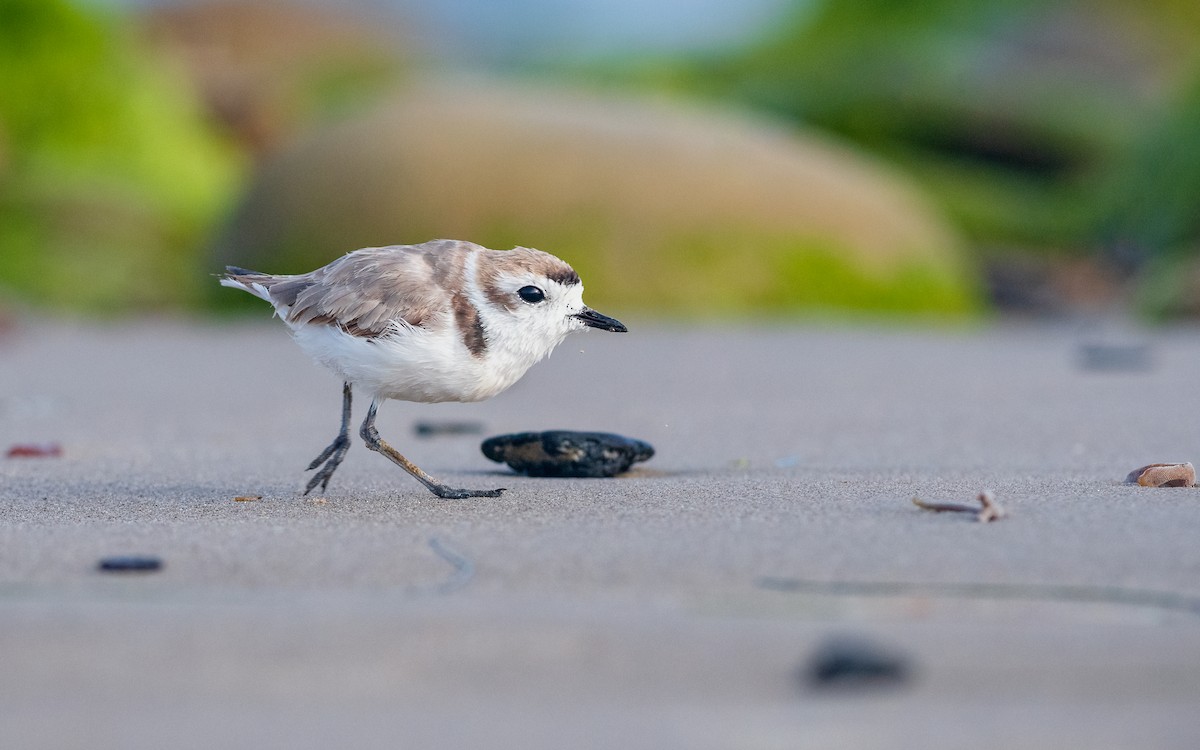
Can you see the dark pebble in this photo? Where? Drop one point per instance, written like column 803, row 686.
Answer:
column 563, row 453
column 852, row 663
column 1115, row 357
column 127, row 563
column 435, row 429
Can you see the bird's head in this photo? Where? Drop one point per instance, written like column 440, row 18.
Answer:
column 533, row 299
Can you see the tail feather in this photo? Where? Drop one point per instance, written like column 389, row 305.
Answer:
column 258, row 284
column 238, row 271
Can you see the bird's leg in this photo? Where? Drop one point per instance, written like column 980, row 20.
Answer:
column 371, row 437
column 332, row 456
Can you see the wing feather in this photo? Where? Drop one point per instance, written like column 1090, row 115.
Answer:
column 365, row 292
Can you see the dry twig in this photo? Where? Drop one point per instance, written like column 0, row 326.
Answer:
column 988, row 509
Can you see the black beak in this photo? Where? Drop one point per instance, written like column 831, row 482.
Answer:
column 594, row 319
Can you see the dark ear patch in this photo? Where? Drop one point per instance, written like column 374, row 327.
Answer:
column 499, row 298
column 470, row 327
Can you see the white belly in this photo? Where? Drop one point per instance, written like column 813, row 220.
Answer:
column 412, row 365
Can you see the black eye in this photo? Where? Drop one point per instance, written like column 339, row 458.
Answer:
column 531, row 294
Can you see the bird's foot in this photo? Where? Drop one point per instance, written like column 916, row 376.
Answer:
column 449, row 493
column 331, row 457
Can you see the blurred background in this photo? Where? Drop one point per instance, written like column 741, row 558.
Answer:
column 940, row 158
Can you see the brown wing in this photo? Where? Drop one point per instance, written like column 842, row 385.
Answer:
column 364, row 291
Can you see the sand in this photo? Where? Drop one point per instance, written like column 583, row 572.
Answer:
column 678, row 606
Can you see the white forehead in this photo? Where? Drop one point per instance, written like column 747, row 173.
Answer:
column 572, row 294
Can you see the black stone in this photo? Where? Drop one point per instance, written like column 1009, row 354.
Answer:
column 853, row 663
column 436, row 429
column 563, row 453
column 130, row 563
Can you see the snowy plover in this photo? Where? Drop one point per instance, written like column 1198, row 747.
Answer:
column 441, row 321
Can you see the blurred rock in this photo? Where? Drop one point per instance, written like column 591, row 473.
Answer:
column 660, row 207
column 854, row 663
column 445, row 428
column 265, row 69
column 1097, row 356
column 130, row 564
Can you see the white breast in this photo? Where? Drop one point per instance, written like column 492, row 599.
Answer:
column 412, row 364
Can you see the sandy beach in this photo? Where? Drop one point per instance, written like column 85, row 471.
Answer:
column 677, row 606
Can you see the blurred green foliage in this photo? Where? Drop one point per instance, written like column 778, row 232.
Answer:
column 1153, row 199
column 110, row 178
column 1039, row 126
column 1152, row 211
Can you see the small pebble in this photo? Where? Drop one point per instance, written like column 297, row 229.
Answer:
column 436, row 429
column 1163, row 475
column 130, row 563
column 34, row 450
column 1114, row 357
column 854, row 664
column 564, row 453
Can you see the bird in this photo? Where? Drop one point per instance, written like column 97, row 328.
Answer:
column 444, row 320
